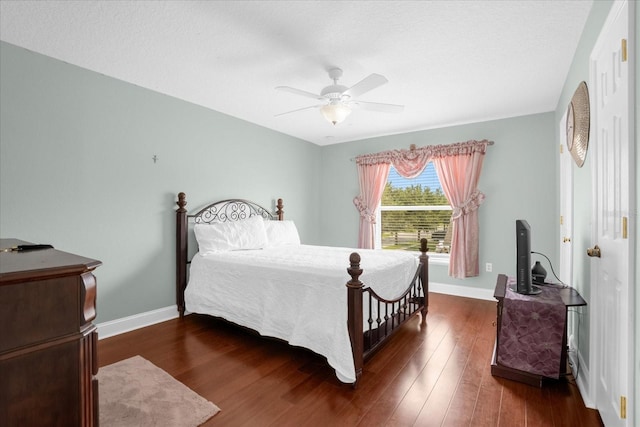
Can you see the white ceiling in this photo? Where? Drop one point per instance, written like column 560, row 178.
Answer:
column 448, row 62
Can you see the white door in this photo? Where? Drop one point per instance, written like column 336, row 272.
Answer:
column 613, row 161
column 566, row 221
column 566, row 210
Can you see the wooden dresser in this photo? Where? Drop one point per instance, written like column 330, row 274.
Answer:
column 48, row 355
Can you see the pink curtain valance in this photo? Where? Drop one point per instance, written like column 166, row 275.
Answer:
column 421, row 155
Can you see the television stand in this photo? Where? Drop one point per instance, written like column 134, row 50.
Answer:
column 501, row 365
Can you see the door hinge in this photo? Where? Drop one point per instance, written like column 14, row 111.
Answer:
column 624, row 50
column 561, row 220
column 624, row 227
column 623, row 407
column 561, row 149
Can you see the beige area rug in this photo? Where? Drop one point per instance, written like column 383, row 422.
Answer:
column 135, row 392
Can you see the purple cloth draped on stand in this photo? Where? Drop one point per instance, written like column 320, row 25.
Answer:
column 532, row 330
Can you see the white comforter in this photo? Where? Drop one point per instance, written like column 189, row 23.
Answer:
column 295, row 293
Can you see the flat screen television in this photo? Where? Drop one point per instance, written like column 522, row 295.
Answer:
column 524, row 283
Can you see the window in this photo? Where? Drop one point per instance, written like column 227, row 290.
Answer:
column 412, row 209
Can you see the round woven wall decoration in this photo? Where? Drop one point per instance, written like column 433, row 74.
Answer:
column 577, row 128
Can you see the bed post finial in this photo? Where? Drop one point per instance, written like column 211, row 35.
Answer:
column 182, row 202
column 279, row 210
column 181, row 252
column 354, row 316
column 354, row 270
column 424, row 277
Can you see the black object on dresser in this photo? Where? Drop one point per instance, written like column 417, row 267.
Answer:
column 48, row 359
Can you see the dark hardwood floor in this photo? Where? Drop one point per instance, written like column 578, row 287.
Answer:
column 432, row 375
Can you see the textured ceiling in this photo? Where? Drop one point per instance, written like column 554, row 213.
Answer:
column 448, row 62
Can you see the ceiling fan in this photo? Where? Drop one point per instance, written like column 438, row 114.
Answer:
column 338, row 100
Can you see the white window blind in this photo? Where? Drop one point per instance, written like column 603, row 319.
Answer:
column 412, row 209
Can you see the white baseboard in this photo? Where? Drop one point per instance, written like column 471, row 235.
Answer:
column 462, row 291
column 137, row 321
column 582, row 379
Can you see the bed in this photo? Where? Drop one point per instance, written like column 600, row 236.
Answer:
column 251, row 269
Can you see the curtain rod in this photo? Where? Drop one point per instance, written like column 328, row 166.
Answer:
column 413, row 147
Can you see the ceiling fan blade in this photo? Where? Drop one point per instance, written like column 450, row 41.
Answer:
column 299, row 92
column 365, row 85
column 299, row 109
column 376, row 106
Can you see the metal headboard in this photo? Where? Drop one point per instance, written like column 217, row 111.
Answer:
column 222, row 211
column 231, row 210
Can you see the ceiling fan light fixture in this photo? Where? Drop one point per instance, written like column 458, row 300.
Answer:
column 337, row 100
column 335, row 112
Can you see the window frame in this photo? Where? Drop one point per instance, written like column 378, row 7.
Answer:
column 434, row 257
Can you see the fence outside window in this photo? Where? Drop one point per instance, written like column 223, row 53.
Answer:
column 402, row 227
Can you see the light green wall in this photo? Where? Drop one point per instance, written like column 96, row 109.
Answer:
column 76, row 171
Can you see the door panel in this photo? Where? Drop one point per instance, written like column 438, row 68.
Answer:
column 611, row 273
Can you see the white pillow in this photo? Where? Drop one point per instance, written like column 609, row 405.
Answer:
column 231, row 236
column 281, row 233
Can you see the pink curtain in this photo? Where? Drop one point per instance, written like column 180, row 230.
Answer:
column 459, row 172
column 373, row 178
column 458, row 167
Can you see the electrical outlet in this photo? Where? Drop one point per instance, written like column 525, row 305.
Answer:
column 489, row 267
